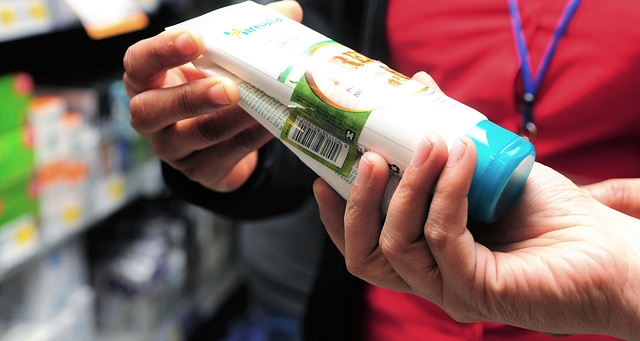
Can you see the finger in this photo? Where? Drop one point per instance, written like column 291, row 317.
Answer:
column 188, row 136
column 156, row 109
column 427, row 80
column 620, row 194
column 450, row 242
column 363, row 220
column 147, row 61
column 220, row 167
column 332, row 207
column 402, row 240
column 291, row 9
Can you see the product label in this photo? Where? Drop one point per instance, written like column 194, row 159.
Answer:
column 305, row 132
column 325, row 132
column 337, row 88
column 267, row 107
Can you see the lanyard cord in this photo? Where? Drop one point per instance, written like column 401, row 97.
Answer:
column 532, row 83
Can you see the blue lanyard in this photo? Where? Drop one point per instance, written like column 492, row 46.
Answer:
column 531, row 83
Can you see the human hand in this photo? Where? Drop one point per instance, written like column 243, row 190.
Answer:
column 193, row 122
column 620, row 194
column 558, row 262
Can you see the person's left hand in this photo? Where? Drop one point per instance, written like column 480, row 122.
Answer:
column 558, row 262
column 193, row 122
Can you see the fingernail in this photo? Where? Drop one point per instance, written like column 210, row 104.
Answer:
column 185, row 44
column 364, row 172
column 457, row 152
column 219, row 94
column 422, row 152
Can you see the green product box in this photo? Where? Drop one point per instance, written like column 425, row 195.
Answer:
column 17, row 155
column 18, row 199
column 16, row 92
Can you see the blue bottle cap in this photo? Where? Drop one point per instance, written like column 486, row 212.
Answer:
column 504, row 163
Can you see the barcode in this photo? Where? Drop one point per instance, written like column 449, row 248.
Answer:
column 318, row 141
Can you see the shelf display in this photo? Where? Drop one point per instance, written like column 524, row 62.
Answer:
column 71, row 164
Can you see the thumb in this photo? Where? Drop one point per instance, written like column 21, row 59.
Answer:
column 620, row 194
column 427, row 80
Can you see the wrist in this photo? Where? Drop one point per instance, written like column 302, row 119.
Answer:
column 624, row 295
column 632, row 289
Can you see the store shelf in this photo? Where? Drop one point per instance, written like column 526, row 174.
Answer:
column 20, row 19
column 192, row 313
column 125, row 180
column 189, row 274
column 143, row 181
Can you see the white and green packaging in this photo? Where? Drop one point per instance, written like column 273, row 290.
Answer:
column 329, row 104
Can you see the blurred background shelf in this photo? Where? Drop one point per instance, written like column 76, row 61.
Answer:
column 144, row 182
column 92, row 245
column 20, row 19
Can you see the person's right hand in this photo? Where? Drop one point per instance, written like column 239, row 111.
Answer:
column 193, row 122
column 559, row 261
column 620, row 194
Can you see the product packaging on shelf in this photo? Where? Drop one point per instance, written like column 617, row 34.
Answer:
column 67, row 267
column 329, row 104
column 17, row 160
column 17, row 170
column 96, row 144
column 139, row 273
column 62, row 171
column 18, row 196
column 53, row 300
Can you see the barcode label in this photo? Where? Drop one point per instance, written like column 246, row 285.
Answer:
column 318, row 141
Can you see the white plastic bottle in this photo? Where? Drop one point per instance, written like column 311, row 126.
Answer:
column 329, row 104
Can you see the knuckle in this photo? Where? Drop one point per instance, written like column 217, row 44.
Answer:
column 462, row 312
column 618, row 191
column 356, row 268
column 390, row 248
column 186, row 103
column 138, row 114
column 460, row 317
column 137, row 58
column 353, row 210
column 209, row 128
column 127, row 62
column 244, row 141
column 164, row 150
column 157, row 54
column 361, row 265
column 436, row 236
column 247, row 140
column 192, row 171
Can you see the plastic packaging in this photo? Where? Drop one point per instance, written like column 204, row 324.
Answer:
column 329, row 104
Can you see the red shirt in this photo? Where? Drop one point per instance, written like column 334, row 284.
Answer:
column 587, row 110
